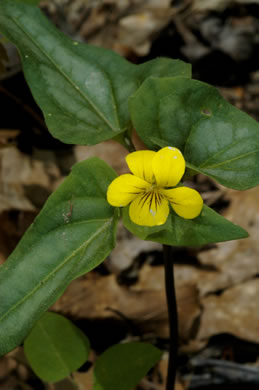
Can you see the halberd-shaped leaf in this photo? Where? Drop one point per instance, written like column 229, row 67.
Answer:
column 124, row 365
column 55, row 347
column 216, row 138
column 83, row 90
column 208, row 227
column 74, row 232
column 73, row 83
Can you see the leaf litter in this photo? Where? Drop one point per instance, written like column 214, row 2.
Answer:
column 217, row 286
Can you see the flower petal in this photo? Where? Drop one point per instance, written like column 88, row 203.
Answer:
column 149, row 209
column 140, row 164
column 124, row 189
column 186, row 202
column 168, row 166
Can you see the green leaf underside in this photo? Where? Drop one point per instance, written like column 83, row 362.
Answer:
column 55, row 347
column 74, row 232
column 124, row 365
column 83, row 90
column 209, row 227
column 216, row 138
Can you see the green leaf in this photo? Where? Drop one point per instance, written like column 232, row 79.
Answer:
column 216, row 138
column 55, row 347
column 74, row 232
column 77, row 86
column 30, row 2
column 124, row 365
column 163, row 67
column 208, row 227
column 83, row 90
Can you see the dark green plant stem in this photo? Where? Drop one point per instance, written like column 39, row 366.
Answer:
column 125, row 140
column 129, row 144
column 172, row 316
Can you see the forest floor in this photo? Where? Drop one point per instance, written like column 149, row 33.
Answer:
column 123, row 299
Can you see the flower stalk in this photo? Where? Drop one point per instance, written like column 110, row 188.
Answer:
column 172, row 317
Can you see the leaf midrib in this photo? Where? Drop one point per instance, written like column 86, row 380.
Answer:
column 228, row 161
column 53, row 272
column 76, row 88
column 53, row 346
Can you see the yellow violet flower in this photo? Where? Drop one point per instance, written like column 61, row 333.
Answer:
column 149, row 190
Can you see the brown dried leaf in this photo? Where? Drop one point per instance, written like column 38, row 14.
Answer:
column 12, row 227
column 152, row 278
column 143, row 303
column 217, row 5
column 99, row 297
column 84, row 380
column 235, row 312
column 110, row 151
column 234, row 261
column 159, row 375
column 7, row 137
column 127, row 249
column 127, row 26
column 137, row 30
column 20, row 176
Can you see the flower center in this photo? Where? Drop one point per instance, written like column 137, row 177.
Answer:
column 153, row 187
column 153, row 197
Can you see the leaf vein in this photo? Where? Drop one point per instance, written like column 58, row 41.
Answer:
column 230, row 160
column 56, row 269
column 91, row 104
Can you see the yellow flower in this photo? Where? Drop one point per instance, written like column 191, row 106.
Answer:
column 149, row 189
